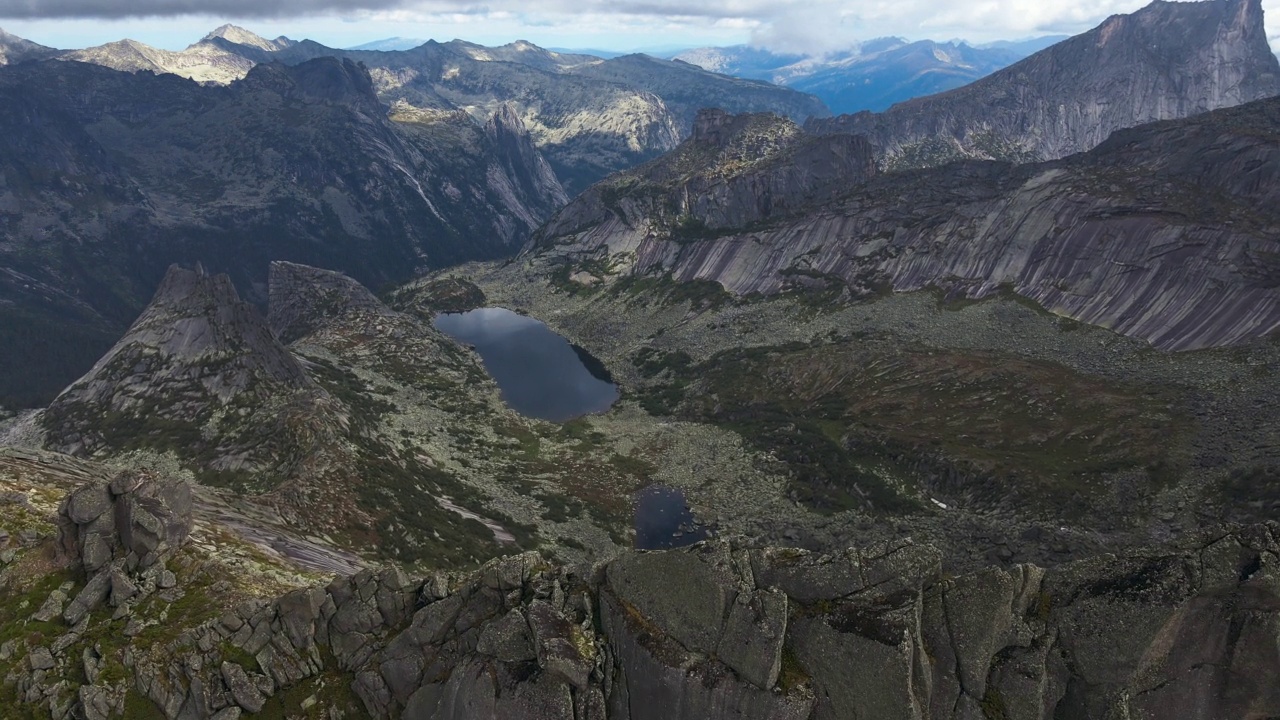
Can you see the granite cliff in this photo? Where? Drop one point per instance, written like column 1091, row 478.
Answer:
column 719, row 630
column 1166, row 61
column 588, row 115
column 1164, row 232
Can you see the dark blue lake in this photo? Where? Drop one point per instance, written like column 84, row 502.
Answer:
column 540, row 374
column 664, row 521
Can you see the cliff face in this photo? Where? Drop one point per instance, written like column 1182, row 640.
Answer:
column 1166, row 61
column 717, row 631
column 589, row 116
column 106, row 178
column 733, row 172
column 1164, row 233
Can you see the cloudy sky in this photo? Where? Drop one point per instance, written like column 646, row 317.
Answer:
column 784, row 25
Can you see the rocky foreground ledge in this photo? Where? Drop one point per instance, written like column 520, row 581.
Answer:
column 124, row 622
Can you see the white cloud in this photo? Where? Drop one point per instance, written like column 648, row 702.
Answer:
column 789, row 25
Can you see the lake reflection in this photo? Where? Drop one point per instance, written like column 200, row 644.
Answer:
column 539, row 373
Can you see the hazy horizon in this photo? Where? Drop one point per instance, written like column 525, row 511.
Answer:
column 791, row 26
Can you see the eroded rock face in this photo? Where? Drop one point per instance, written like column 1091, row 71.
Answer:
column 305, row 299
column 1165, row 233
column 733, row 172
column 201, row 369
column 715, row 631
column 1166, row 61
column 121, row 533
column 697, row 633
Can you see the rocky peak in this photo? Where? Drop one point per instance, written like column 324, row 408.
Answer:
column 304, row 299
column 196, row 351
column 195, row 317
column 710, row 126
column 240, row 36
column 1165, row 61
column 14, row 49
column 532, row 180
column 733, row 171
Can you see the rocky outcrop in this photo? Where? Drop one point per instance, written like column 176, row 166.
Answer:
column 1166, row 61
column 723, row 631
column 121, row 533
column 532, row 181
column 1163, row 233
column 715, row 631
column 199, row 373
column 304, row 299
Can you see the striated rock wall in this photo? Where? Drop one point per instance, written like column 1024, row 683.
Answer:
column 1165, row 233
column 1168, row 60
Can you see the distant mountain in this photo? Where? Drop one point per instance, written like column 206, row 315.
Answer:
column 880, row 79
column 14, row 49
column 204, row 61
column 221, row 57
column 389, row 44
column 109, row 177
column 590, row 116
column 1168, row 60
column 873, row 76
column 240, row 36
column 1024, row 47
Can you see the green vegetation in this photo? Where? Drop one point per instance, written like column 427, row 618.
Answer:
column 447, row 295
column 861, row 426
column 993, row 705
column 701, row 295
column 792, row 676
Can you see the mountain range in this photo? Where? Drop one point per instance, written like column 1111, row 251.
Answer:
column 1164, row 61
column 589, row 115
column 971, row 414
column 109, row 177
column 1161, row 233
column 874, row 75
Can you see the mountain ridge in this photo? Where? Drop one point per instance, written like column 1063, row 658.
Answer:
column 1192, row 197
column 1164, row 61
column 872, row 76
column 294, row 162
column 590, row 116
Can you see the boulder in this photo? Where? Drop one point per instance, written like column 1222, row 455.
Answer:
column 246, row 694
column 136, row 518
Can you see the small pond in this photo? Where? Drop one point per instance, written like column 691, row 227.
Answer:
column 663, row 520
column 540, row 374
